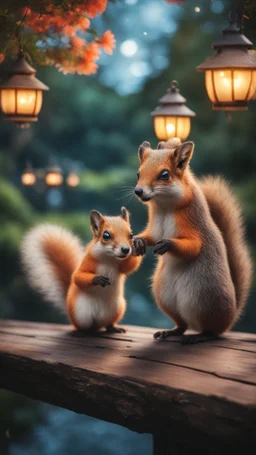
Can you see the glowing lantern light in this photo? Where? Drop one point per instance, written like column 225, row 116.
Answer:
column 53, row 176
column 72, row 179
column 172, row 117
column 230, row 74
column 21, row 94
column 28, row 177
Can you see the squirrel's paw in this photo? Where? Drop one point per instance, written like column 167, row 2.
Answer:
column 139, row 246
column 115, row 329
column 163, row 246
column 101, row 280
column 162, row 334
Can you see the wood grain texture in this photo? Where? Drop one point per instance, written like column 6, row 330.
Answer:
column 201, row 396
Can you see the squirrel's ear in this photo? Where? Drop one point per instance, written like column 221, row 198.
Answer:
column 161, row 145
column 96, row 221
column 182, row 155
column 143, row 149
column 125, row 214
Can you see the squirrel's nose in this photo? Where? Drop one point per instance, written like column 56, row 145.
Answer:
column 125, row 250
column 138, row 191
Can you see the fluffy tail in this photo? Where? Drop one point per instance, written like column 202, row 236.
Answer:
column 49, row 256
column 227, row 214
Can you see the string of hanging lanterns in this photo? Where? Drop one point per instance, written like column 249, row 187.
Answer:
column 52, row 177
column 230, row 77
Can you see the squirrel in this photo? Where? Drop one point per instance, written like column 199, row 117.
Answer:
column 92, row 283
column 204, row 269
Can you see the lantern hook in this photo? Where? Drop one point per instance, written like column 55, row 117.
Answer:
column 174, row 86
column 237, row 17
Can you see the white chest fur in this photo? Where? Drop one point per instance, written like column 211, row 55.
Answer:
column 163, row 226
column 108, row 270
column 98, row 306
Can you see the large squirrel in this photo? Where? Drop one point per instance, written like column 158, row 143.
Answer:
column 204, row 269
column 91, row 282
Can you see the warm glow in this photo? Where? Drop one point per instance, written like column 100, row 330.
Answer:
column 21, row 101
column 53, row 178
column 169, row 127
column 227, row 86
column 73, row 179
column 28, row 178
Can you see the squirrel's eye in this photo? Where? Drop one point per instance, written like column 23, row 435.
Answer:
column 106, row 235
column 164, row 175
column 138, row 174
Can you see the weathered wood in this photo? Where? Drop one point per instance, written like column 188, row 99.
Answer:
column 196, row 396
column 163, row 445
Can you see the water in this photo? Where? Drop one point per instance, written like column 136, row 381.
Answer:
column 67, row 433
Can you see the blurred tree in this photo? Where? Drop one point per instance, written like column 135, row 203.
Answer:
column 89, row 126
column 49, row 32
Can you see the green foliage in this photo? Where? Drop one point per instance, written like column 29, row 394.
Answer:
column 85, row 124
column 13, row 206
column 106, row 180
column 78, row 223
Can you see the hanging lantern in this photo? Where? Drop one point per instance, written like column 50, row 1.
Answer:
column 53, row 176
column 28, row 177
column 21, row 94
column 72, row 179
column 172, row 117
column 230, row 74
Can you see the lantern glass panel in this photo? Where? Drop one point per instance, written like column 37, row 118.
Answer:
column 252, row 93
column 39, row 101
column 242, row 82
column 26, row 100
column 8, row 101
column 230, row 85
column 183, row 127
column 209, row 86
column 222, row 80
column 159, row 126
column 171, row 127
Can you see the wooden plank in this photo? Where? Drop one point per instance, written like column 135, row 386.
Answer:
column 131, row 379
column 141, row 332
column 222, row 363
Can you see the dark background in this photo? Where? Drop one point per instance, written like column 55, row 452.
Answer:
column 94, row 125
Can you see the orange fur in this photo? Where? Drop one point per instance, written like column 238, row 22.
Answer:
column 204, row 270
column 83, row 277
column 93, row 283
column 129, row 265
column 188, row 243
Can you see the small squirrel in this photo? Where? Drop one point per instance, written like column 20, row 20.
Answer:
column 92, row 283
column 204, row 269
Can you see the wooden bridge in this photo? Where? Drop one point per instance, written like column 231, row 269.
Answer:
column 199, row 397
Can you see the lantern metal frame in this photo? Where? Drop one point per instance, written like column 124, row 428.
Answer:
column 22, row 77
column 232, row 54
column 172, row 104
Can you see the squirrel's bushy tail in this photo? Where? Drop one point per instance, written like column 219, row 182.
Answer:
column 227, row 214
column 49, row 256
